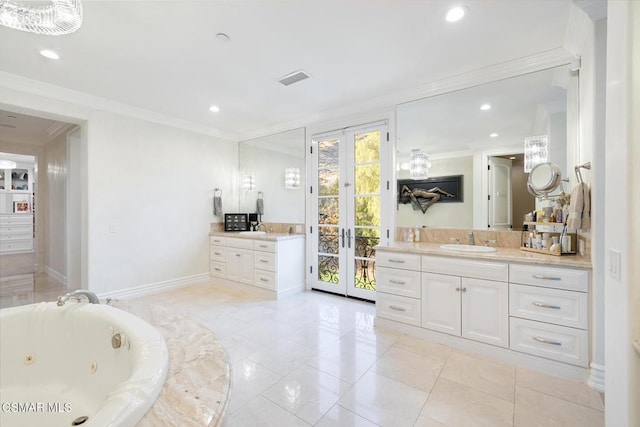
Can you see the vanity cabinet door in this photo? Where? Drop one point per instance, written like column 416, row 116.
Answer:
column 485, row 311
column 441, row 303
column 240, row 265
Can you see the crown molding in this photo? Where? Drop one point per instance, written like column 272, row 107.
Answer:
column 541, row 61
column 36, row 87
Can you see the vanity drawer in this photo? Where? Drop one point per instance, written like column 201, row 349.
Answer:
column 16, row 245
column 550, row 277
column 398, row 282
column 217, row 253
column 265, row 279
column 264, row 260
column 218, row 269
column 466, row 268
column 16, row 229
column 240, row 243
column 559, row 343
column 20, row 219
column 217, row 240
column 400, row 309
column 264, row 246
column 565, row 308
column 398, row 260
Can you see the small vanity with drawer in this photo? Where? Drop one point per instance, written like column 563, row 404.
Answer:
column 518, row 307
column 273, row 262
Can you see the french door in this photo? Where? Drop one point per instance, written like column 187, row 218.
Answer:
column 349, row 168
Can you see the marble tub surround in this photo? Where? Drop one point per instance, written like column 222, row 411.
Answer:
column 196, row 392
column 496, row 238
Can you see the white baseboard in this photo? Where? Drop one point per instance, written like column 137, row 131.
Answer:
column 54, row 274
column 153, row 288
column 596, row 377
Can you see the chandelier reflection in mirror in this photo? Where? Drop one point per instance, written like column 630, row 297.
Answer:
column 292, row 178
column 535, row 151
column 419, row 164
column 248, row 182
column 56, row 18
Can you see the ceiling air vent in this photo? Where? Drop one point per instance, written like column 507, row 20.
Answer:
column 294, row 77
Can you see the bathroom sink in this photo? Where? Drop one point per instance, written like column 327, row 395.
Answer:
column 253, row 233
column 468, row 248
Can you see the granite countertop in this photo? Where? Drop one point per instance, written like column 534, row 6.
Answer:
column 268, row 236
column 502, row 254
column 196, row 392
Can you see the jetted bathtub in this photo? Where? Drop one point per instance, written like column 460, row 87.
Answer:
column 78, row 364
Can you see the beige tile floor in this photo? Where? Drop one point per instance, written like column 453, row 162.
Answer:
column 317, row 359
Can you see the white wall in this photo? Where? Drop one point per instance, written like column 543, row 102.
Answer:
column 446, row 215
column 55, row 207
column 147, row 199
column 622, row 295
column 150, row 200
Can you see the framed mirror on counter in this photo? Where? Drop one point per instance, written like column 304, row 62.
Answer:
column 479, row 133
column 272, row 176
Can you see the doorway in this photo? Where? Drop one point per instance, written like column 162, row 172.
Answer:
column 347, row 192
column 508, row 199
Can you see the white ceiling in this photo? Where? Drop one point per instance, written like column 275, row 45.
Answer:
column 163, row 56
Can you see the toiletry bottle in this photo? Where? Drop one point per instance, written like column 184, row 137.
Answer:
column 410, row 235
column 416, row 234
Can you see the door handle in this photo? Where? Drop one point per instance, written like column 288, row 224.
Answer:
column 342, row 237
column 348, row 238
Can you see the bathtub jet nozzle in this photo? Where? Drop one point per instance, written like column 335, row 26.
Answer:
column 93, row 299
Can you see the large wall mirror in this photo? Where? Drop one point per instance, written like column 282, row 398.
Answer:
column 273, row 168
column 477, row 135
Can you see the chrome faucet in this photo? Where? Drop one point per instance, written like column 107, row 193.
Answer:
column 472, row 241
column 261, row 225
column 93, row 299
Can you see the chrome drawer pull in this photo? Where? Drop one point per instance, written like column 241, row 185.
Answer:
column 263, row 279
column 264, row 261
column 217, row 269
column 543, row 305
column 396, row 308
column 540, row 276
column 238, row 254
column 262, row 246
column 397, row 261
column 217, row 253
column 545, row 341
column 397, row 282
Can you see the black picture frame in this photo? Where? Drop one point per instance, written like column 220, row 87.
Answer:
column 452, row 184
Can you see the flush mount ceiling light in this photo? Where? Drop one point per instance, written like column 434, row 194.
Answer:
column 455, row 13
column 485, row 107
column 418, row 164
column 8, row 164
column 49, row 54
column 214, row 109
column 57, row 18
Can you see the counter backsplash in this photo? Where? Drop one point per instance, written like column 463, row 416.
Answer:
column 272, row 227
column 499, row 239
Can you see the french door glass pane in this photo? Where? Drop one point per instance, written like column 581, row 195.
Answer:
column 328, row 240
column 367, row 147
column 365, row 277
column 328, row 269
column 328, row 210
column 367, row 178
column 367, row 211
column 328, row 167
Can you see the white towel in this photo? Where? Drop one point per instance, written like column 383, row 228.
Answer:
column 260, row 206
column 579, row 217
column 217, row 205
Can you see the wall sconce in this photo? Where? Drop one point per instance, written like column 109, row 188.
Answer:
column 419, row 164
column 535, row 151
column 292, row 178
column 248, row 182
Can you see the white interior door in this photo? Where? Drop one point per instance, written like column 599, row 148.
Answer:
column 349, row 168
column 500, row 215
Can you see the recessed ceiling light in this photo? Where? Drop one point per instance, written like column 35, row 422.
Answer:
column 512, row 158
column 223, row 37
column 485, row 107
column 494, row 135
column 455, row 13
column 214, row 108
column 47, row 53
